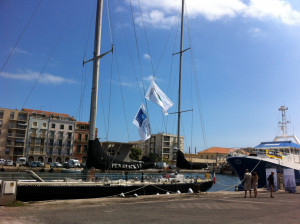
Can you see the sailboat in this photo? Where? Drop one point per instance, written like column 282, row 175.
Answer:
column 172, row 183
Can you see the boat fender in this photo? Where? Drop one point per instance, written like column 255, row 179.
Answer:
column 167, row 192
column 190, row 191
column 135, row 195
column 157, row 193
column 178, row 192
column 122, row 195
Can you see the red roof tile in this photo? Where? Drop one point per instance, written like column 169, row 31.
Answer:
column 216, row 150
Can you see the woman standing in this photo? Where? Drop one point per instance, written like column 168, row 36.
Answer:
column 254, row 183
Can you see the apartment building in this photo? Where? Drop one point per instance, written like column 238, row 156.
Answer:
column 164, row 145
column 50, row 136
column 13, row 128
column 81, row 140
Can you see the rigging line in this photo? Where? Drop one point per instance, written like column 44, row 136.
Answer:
column 122, row 95
column 20, row 36
column 167, row 40
column 121, row 89
column 109, row 99
column 102, row 103
column 131, row 59
column 140, row 65
column 109, row 24
column 147, row 40
column 196, row 85
column 111, row 73
column 48, row 59
column 87, row 38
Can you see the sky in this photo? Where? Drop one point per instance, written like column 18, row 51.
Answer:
column 242, row 66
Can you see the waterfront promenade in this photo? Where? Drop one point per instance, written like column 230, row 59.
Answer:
column 212, row 207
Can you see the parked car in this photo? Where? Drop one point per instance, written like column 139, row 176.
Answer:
column 9, row 163
column 2, row 162
column 66, row 165
column 56, row 165
column 21, row 161
column 73, row 163
column 36, row 164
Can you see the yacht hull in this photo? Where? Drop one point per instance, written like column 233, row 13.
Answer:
column 254, row 163
column 53, row 191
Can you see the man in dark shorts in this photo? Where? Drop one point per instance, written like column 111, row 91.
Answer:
column 271, row 183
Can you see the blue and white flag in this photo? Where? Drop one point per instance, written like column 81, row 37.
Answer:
column 141, row 120
column 157, row 96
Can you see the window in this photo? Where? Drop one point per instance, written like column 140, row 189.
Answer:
column 44, row 125
column 69, row 135
column 61, row 134
column 12, row 115
column 1, row 114
column 51, row 142
column 0, row 124
column 78, row 148
column 79, row 136
column 85, row 148
column 52, row 125
column 69, row 144
column 52, row 133
column 86, row 137
column 70, row 127
column 62, row 126
column 60, row 143
column 34, row 124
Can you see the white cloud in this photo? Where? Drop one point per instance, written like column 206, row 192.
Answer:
column 147, row 56
column 161, row 13
column 18, row 50
column 33, row 76
column 150, row 78
column 255, row 31
column 279, row 10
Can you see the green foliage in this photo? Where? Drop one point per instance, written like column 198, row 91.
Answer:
column 151, row 158
column 135, row 154
column 15, row 204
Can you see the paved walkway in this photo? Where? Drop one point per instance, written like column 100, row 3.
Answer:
column 212, row 207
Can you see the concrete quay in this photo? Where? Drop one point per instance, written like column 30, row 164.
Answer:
column 211, row 207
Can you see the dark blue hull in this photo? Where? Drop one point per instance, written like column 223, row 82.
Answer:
column 239, row 164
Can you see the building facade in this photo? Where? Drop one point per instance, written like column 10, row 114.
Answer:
column 13, row 129
column 164, row 145
column 81, row 141
column 50, row 136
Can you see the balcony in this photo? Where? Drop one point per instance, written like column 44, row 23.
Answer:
column 16, row 135
column 17, row 127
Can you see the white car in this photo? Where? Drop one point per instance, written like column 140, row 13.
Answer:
column 2, row 162
column 9, row 163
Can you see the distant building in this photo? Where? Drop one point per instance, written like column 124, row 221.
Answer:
column 13, row 128
column 163, row 145
column 50, row 136
column 81, row 141
column 215, row 154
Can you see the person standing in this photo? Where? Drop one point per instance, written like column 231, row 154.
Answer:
column 247, row 183
column 254, row 183
column 271, row 183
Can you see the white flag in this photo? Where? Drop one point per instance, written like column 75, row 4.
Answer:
column 157, row 96
column 141, row 120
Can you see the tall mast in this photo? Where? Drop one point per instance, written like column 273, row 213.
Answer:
column 180, row 71
column 96, row 64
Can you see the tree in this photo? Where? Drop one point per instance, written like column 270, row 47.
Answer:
column 135, row 154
